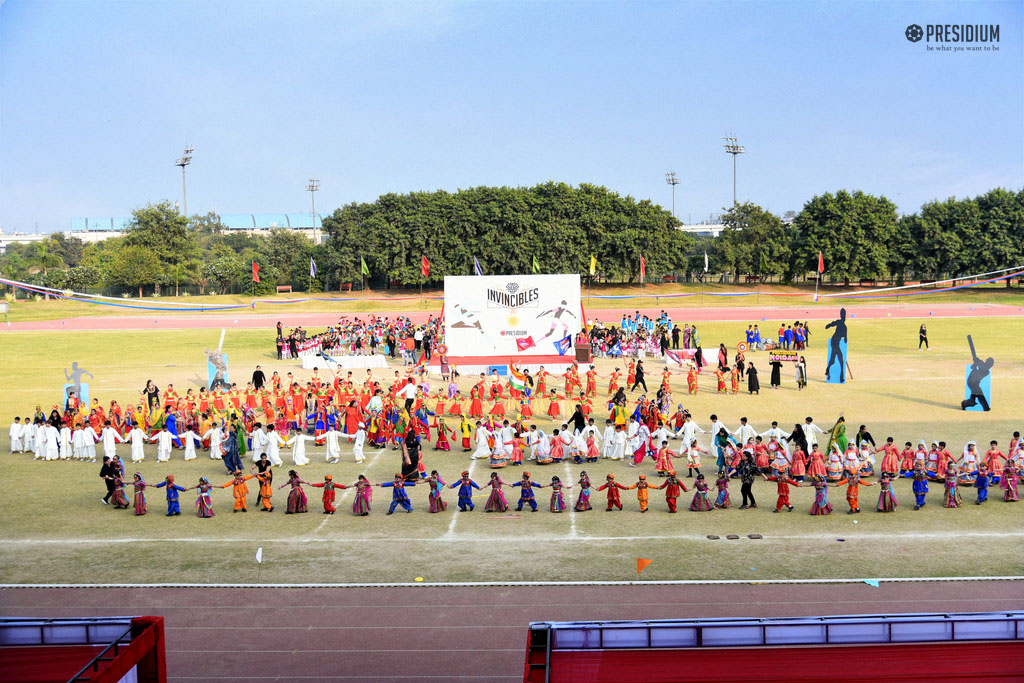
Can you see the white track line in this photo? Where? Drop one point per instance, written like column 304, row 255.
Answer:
column 849, row 536
column 569, row 502
column 537, row 584
column 450, row 534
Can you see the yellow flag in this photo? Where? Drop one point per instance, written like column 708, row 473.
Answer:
column 593, row 265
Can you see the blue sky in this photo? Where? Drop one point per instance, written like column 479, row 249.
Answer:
column 97, row 100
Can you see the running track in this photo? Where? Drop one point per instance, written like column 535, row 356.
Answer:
column 747, row 314
column 444, row 633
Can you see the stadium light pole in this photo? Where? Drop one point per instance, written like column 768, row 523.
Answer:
column 672, row 180
column 731, row 147
column 184, row 161
column 314, row 185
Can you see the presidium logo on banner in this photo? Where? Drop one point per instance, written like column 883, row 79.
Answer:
column 955, row 37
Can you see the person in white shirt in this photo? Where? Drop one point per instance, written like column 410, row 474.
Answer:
column 643, row 441
column 609, row 439
column 138, row 440
column 533, row 438
column 482, row 449
column 632, row 436
column 65, row 442
column 811, row 431
column 274, row 443
column 358, row 441
column 15, row 435
column 110, row 439
column 190, row 439
column 78, row 443
column 298, row 444
column 744, row 432
column 259, row 442
column 775, row 432
column 163, row 440
column 657, row 436
column 216, row 436
column 688, row 431
column 504, row 438
column 51, row 440
column 619, row 444
column 38, row 442
column 332, row 441
column 409, row 393
column 91, row 439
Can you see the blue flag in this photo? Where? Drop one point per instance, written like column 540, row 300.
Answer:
column 563, row 345
column 616, row 350
column 476, row 267
column 312, row 267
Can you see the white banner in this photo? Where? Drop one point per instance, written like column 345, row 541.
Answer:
column 510, row 315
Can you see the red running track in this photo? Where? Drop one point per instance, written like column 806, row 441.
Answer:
column 443, row 633
column 314, row 321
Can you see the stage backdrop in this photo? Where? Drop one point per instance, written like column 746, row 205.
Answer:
column 522, row 317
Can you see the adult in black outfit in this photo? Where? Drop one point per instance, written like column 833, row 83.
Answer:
column 258, row 378
column 411, row 456
column 753, row 386
column 922, row 338
column 639, row 377
column 776, row 373
column 578, row 421
column 748, row 470
column 107, row 473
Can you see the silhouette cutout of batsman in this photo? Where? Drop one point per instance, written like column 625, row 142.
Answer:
column 835, row 350
column 556, row 320
column 980, row 369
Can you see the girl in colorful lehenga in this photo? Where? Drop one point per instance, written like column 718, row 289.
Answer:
column 700, row 502
column 820, row 506
column 297, row 502
column 583, row 500
column 496, row 501
column 364, row 495
column 722, row 484
column 1008, row 482
column 140, row 494
column 886, row 499
column 557, row 497
column 951, row 497
column 436, row 487
column 120, row 499
column 204, row 504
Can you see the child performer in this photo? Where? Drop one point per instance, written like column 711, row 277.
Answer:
column 613, row 492
column 172, row 495
column 364, row 495
column 583, row 500
column 120, row 500
column 722, row 484
column 693, row 459
column 672, row 487
column 982, row 482
column 907, row 458
column 920, row 484
column 436, row 485
column 663, row 463
column 1009, row 482
column 442, row 443
column 951, row 497
column 328, row 486
column 701, row 502
column 526, row 493
column 643, row 492
column 398, row 494
column 784, row 482
column 466, row 486
column 496, row 501
column 140, row 494
column 239, row 490
column 204, row 505
column 266, row 480
column 886, row 499
column 557, row 497
column 297, row 502
column 820, row 506
column 853, row 483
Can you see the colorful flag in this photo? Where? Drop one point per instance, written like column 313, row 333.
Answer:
column 643, row 268
column 525, row 343
column 705, row 261
column 616, row 350
column 255, row 272
column 593, row 265
column 476, row 267
column 365, row 269
column 312, row 267
column 425, row 266
column 516, row 379
column 536, row 266
column 563, row 345
column 764, row 263
column 821, row 263
column 641, row 564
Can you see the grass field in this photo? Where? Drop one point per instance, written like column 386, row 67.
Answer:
column 56, row 530
column 403, row 300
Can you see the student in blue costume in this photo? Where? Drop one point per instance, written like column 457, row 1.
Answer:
column 398, row 495
column 172, row 495
column 465, row 486
column 526, row 494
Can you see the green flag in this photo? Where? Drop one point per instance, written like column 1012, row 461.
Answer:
column 536, row 266
column 764, row 263
column 366, row 271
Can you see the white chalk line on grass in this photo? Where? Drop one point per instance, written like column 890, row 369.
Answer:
column 469, row 538
column 344, row 497
column 525, row 584
column 450, row 534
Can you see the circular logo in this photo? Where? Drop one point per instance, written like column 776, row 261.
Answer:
column 742, row 347
column 914, row 33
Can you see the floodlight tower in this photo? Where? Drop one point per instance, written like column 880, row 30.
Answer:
column 672, row 180
column 735, row 149
column 314, row 185
column 184, row 161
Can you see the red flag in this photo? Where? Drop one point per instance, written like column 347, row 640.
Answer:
column 255, row 272
column 641, row 564
column 821, row 263
column 643, row 267
column 525, row 343
column 425, row 266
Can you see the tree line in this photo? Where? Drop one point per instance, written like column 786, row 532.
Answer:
column 553, row 227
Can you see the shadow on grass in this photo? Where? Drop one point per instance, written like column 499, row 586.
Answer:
column 915, row 399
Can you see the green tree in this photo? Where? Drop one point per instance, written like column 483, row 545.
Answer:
column 69, row 249
column 186, row 271
column 134, row 266
column 754, row 241
column 165, row 232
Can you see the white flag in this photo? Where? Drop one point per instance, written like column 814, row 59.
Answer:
column 259, row 555
column 705, row 261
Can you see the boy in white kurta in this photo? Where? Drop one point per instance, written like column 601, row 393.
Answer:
column 619, row 444
column 78, row 443
column 91, row 439
column 332, row 440
column 274, row 443
column 609, row 439
column 51, row 441
column 163, row 440
column 357, row 439
column 483, row 450
column 15, row 435
column 298, row 444
column 259, row 442
column 65, row 443
column 216, row 436
column 110, row 439
column 190, row 439
column 138, row 439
